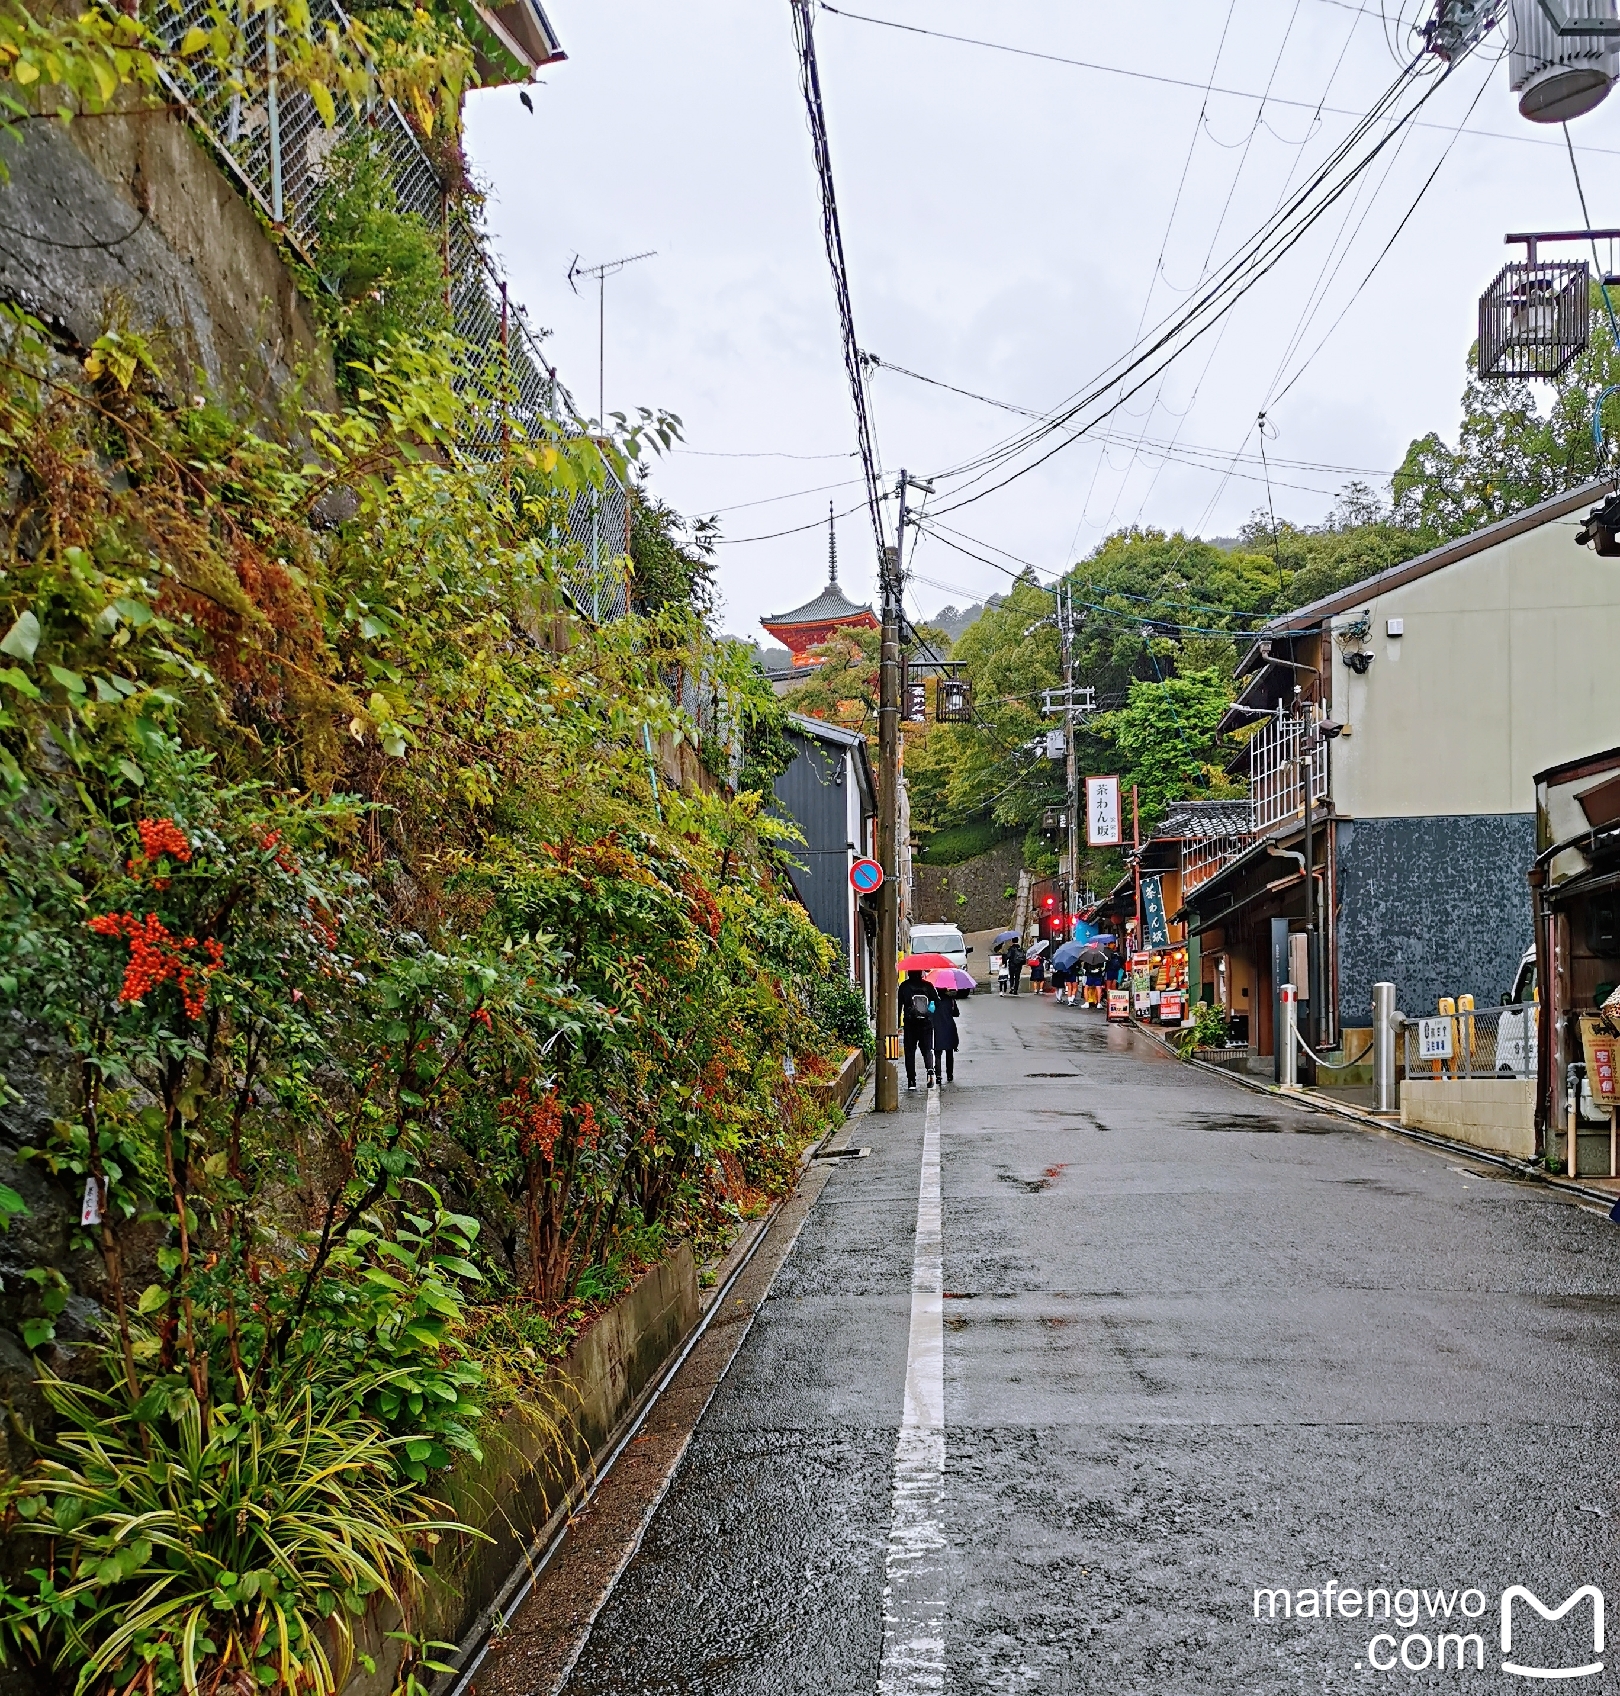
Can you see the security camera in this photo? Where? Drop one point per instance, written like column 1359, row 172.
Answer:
column 1360, row 662
column 1329, row 729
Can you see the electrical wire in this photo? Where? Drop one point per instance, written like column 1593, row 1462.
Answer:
column 1254, row 260
column 1608, row 305
column 1173, row 82
column 833, row 237
column 797, row 530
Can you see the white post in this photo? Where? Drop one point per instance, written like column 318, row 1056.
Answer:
column 1288, row 1036
column 1383, row 1037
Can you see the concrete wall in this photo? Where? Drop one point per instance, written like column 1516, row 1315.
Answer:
column 528, row 1471
column 125, row 220
column 1436, row 906
column 1507, row 666
column 1494, row 1113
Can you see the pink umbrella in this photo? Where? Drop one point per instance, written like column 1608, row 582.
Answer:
column 952, row 978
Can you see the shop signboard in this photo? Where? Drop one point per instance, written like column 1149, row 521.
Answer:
column 1119, row 1006
column 1602, row 1051
column 1103, row 825
column 1172, row 1007
column 1153, row 920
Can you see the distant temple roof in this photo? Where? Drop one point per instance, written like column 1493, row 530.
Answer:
column 806, row 627
column 831, row 603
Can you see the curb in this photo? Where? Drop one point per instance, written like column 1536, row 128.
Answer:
column 1369, row 1121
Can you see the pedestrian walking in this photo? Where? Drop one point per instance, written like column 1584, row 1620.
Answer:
column 1015, row 957
column 947, row 1040
column 917, row 998
column 1037, row 975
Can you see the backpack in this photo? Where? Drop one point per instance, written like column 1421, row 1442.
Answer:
column 921, row 1006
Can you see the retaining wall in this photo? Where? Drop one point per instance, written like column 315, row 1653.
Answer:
column 1494, row 1113
column 981, row 883
column 525, row 1476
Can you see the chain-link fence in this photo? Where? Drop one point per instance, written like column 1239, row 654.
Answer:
column 274, row 141
column 1494, row 1042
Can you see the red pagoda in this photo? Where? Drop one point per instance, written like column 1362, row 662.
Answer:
column 806, row 627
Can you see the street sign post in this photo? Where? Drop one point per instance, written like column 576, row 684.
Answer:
column 866, row 876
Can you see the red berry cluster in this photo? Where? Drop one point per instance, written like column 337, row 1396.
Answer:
column 480, row 1016
column 163, row 836
column 157, row 957
column 284, row 857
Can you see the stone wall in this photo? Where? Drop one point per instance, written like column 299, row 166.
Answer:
column 124, row 220
column 972, row 894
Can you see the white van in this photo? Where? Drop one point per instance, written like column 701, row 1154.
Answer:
column 1516, row 1032
column 941, row 939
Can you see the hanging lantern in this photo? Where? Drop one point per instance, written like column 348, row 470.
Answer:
column 1534, row 319
column 953, row 701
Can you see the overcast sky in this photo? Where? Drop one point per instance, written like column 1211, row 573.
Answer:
column 1003, row 219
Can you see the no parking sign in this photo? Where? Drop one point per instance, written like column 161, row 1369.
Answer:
column 866, row 876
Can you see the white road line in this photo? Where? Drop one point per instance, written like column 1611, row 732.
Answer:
column 914, row 1589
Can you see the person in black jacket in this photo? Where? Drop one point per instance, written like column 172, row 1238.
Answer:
column 917, row 1025
column 946, row 1038
column 1015, row 956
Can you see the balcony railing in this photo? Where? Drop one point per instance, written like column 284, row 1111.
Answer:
column 1276, row 794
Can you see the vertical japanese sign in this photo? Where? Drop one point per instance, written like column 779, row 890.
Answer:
column 1102, row 812
column 1153, row 919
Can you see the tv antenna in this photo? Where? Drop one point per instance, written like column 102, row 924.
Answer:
column 610, row 268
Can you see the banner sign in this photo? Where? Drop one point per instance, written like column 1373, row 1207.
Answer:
column 1102, row 813
column 1153, row 920
column 1171, row 1007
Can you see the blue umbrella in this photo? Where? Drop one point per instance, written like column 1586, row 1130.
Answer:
column 1066, row 956
column 1004, row 936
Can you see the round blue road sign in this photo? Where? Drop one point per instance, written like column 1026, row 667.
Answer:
column 867, row 876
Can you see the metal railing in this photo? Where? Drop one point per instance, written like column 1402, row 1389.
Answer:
column 1492, row 1042
column 274, row 141
column 1276, row 784
column 1205, row 857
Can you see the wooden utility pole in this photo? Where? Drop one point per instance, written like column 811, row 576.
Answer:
column 888, row 977
column 1136, row 860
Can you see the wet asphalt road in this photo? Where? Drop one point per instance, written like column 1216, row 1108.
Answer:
column 1196, row 1342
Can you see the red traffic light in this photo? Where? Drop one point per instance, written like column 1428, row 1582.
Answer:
column 1050, row 901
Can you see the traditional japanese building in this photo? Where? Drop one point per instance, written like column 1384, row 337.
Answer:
column 806, row 627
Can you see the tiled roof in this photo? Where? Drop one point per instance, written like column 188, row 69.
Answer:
column 832, row 602
column 1202, row 819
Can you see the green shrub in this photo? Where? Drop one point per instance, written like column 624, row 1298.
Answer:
column 839, row 1008
column 959, row 842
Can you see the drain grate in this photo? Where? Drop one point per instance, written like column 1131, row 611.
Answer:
column 1051, row 1074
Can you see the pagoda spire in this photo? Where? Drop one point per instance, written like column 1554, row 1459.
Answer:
column 832, row 550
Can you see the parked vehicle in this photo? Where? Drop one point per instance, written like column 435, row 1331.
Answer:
column 941, row 939
column 1517, row 1026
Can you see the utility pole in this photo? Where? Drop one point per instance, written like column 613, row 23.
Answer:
column 888, row 977
column 1071, row 860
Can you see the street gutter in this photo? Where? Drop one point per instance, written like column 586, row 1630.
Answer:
column 1370, row 1121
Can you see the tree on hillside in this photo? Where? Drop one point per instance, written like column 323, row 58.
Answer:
column 1518, row 444
column 1167, row 734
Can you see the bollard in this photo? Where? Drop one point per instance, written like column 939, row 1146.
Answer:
column 1288, row 1037
column 1465, row 1036
column 1383, row 1018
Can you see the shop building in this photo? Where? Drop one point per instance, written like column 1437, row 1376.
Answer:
column 1443, row 686
column 1575, row 896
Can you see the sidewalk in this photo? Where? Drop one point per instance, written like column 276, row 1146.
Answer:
column 1605, row 1190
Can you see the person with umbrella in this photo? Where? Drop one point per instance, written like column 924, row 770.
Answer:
column 946, row 1014
column 917, row 1002
column 1037, row 968
column 1014, row 955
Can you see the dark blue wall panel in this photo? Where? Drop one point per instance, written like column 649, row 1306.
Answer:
column 811, row 792
column 1435, row 906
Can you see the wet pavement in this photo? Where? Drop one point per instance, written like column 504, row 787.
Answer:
column 1197, row 1342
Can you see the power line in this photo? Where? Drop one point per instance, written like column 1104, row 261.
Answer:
column 797, row 530
column 833, row 236
column 1172, row 82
